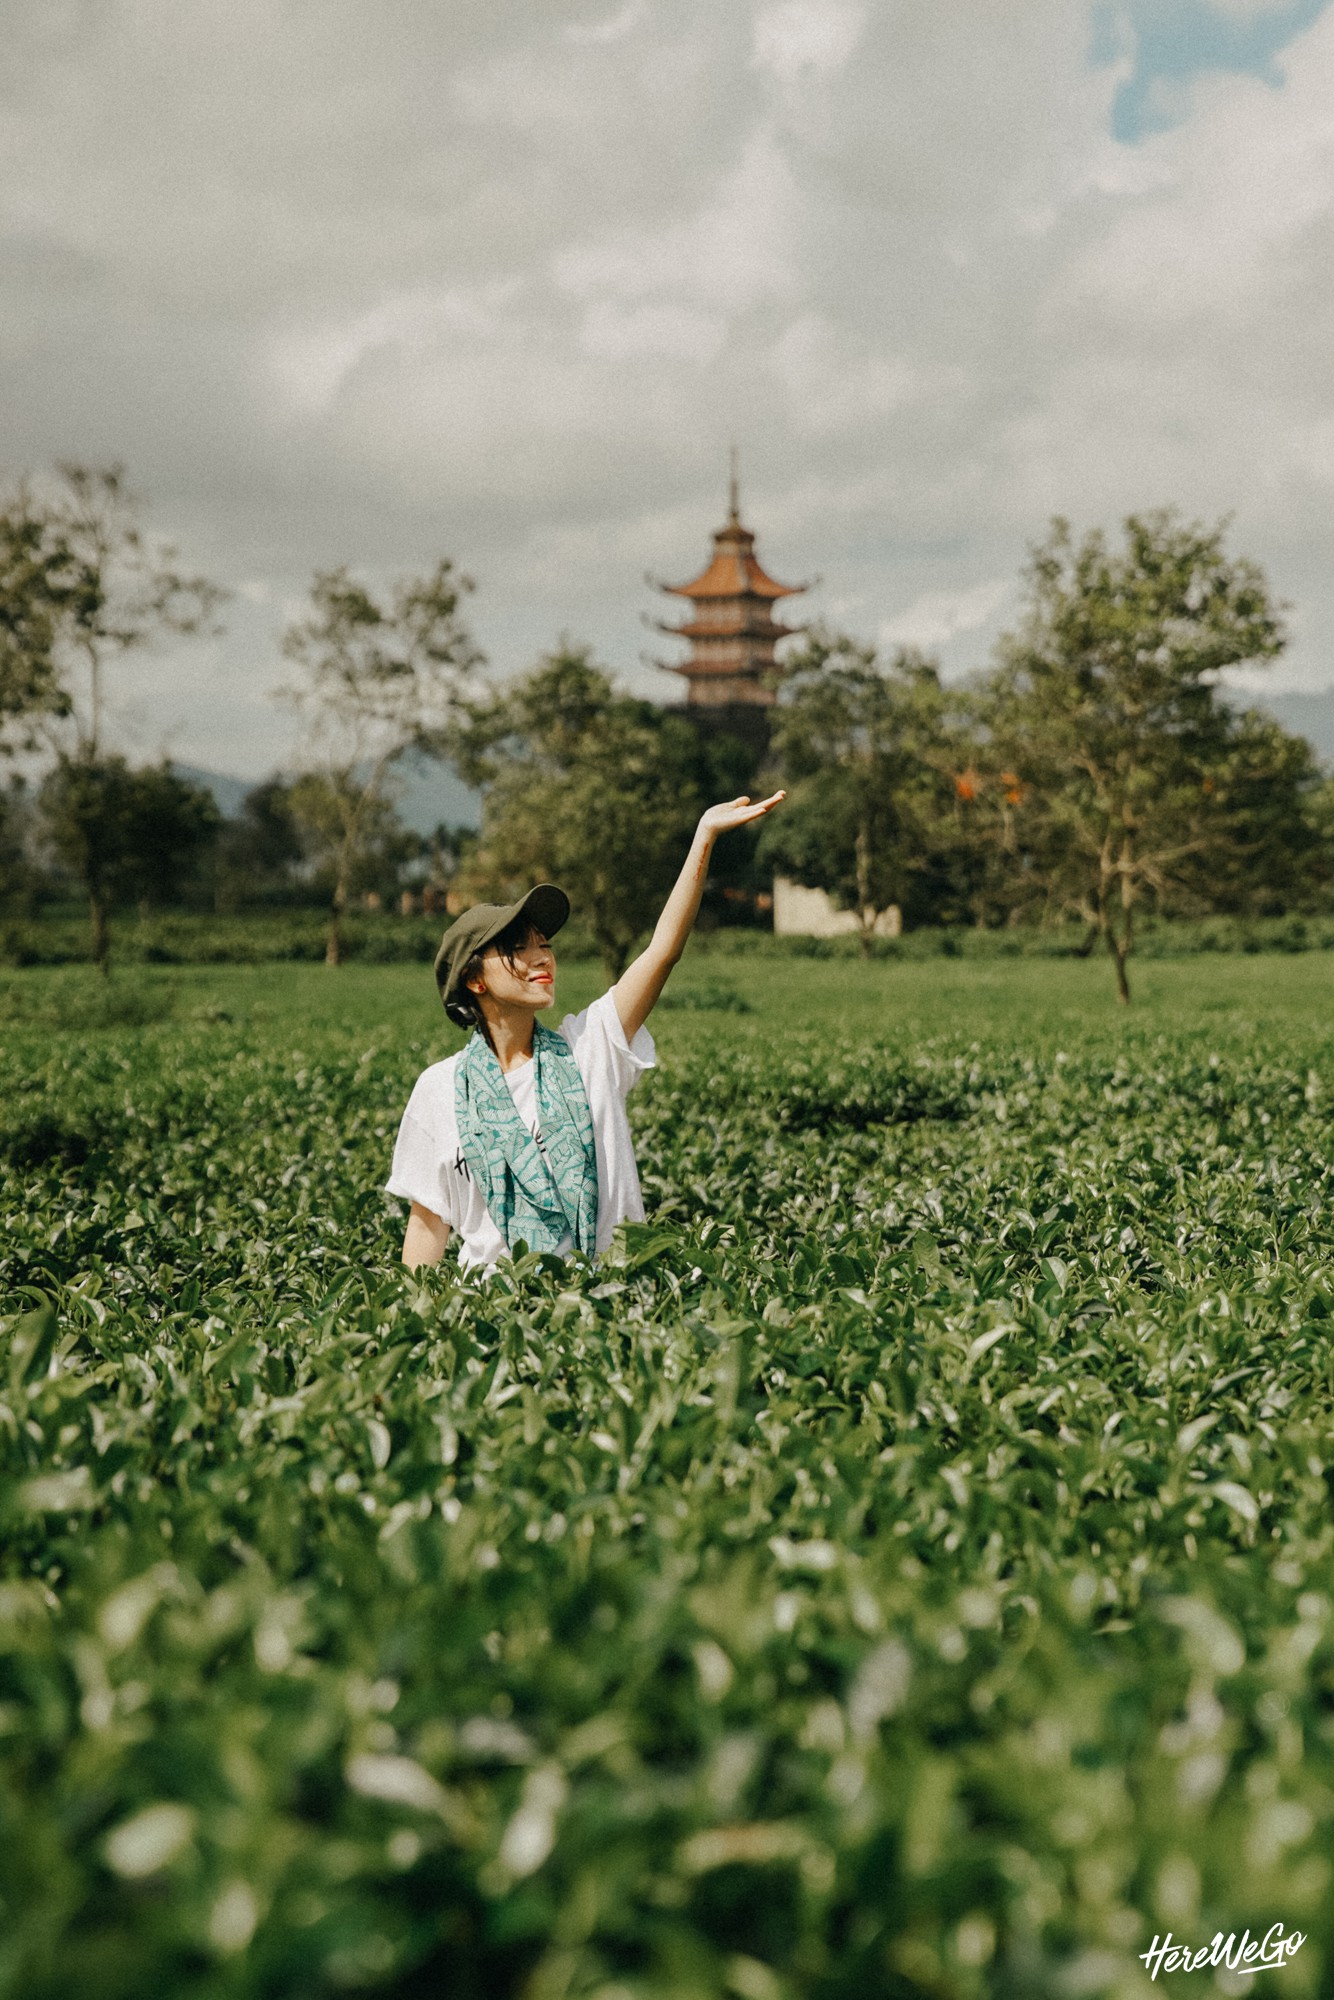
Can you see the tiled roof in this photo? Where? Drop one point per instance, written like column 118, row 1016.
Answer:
column 734, row 571
column 762, row 627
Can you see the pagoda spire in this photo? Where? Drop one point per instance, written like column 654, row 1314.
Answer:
column 731, row 627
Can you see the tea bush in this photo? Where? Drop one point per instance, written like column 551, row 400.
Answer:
column 904, row 1566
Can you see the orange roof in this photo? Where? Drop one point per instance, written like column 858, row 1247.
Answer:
column 734, row 572
column 762, row 628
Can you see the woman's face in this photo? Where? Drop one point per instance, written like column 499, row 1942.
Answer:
column 529, row 980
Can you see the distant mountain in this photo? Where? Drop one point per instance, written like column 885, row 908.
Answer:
column 228, row 792
column 433, row 793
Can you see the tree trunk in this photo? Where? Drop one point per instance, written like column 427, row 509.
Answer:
column 615, row 955
column 333, row 947
column 97, row 916
column 95, row 701
column 344, row 864
column 1121, row 945
column 1106, row 920
column 865, row 906
column 1120, row 952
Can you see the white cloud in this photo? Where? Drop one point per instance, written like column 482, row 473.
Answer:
column 939, row 616
column 611, row 28
column 1238, row 192
column 733, row 252
column 504, row 283
column 613, row 332
column 794, row 39
column 312, row 364
column 828, row 389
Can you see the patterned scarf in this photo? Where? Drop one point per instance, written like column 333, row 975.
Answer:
column 539, row 1200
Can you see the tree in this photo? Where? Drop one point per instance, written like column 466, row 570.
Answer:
column 18, row 877
column 1318, row 813
column 1106, row 704
column 109, row 588
column 37, row 583
column 324, row 805
column 586, row 787
column 81, row 584
column 124, row 833
column 260, row 849
column 868, row 752
column 382, row 677
column 1270, row 854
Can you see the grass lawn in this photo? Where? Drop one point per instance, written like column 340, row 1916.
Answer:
column 909, row 1001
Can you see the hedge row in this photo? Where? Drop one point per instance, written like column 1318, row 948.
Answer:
column 194, row 938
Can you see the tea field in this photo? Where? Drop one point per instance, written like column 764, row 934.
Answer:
column 905, row 1567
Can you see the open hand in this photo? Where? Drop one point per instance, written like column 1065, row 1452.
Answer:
column 737, row 812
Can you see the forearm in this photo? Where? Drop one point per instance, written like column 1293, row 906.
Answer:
column 680, row 910
column 639, row 986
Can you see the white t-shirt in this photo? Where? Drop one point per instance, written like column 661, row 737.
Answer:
column 429, row 1166
column 522, row 1083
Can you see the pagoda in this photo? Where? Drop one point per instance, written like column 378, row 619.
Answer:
column 731, row 627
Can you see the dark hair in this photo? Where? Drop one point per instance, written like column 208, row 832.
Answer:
column 463, row 1009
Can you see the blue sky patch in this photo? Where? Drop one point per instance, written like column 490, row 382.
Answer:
column 1174, row 41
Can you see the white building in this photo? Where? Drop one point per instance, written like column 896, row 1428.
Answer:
column 802, row 912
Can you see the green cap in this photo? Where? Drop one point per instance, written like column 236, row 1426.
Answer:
column 546, row 907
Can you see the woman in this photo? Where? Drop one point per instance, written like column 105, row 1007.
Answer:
column 523, row 1136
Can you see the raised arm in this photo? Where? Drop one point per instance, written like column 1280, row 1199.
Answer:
column 639, row 986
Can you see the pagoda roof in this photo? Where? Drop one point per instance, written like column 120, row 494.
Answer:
column 763, row 628
column 734, row 571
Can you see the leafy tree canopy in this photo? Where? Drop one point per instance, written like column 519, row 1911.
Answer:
column 35, row 588
column 124, row 833
column 587, row 787
column 381, row 675
column 869, row 750
column 80, row 583
column 1106, row 701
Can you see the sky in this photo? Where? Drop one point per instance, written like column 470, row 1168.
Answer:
column 503, row 279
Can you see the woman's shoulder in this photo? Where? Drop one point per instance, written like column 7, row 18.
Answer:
column 575, row 1027
column 600, row 1044
column 432, row 1099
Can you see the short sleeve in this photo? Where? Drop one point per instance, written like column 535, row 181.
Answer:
column 417, row 1173
column 602, row 1049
